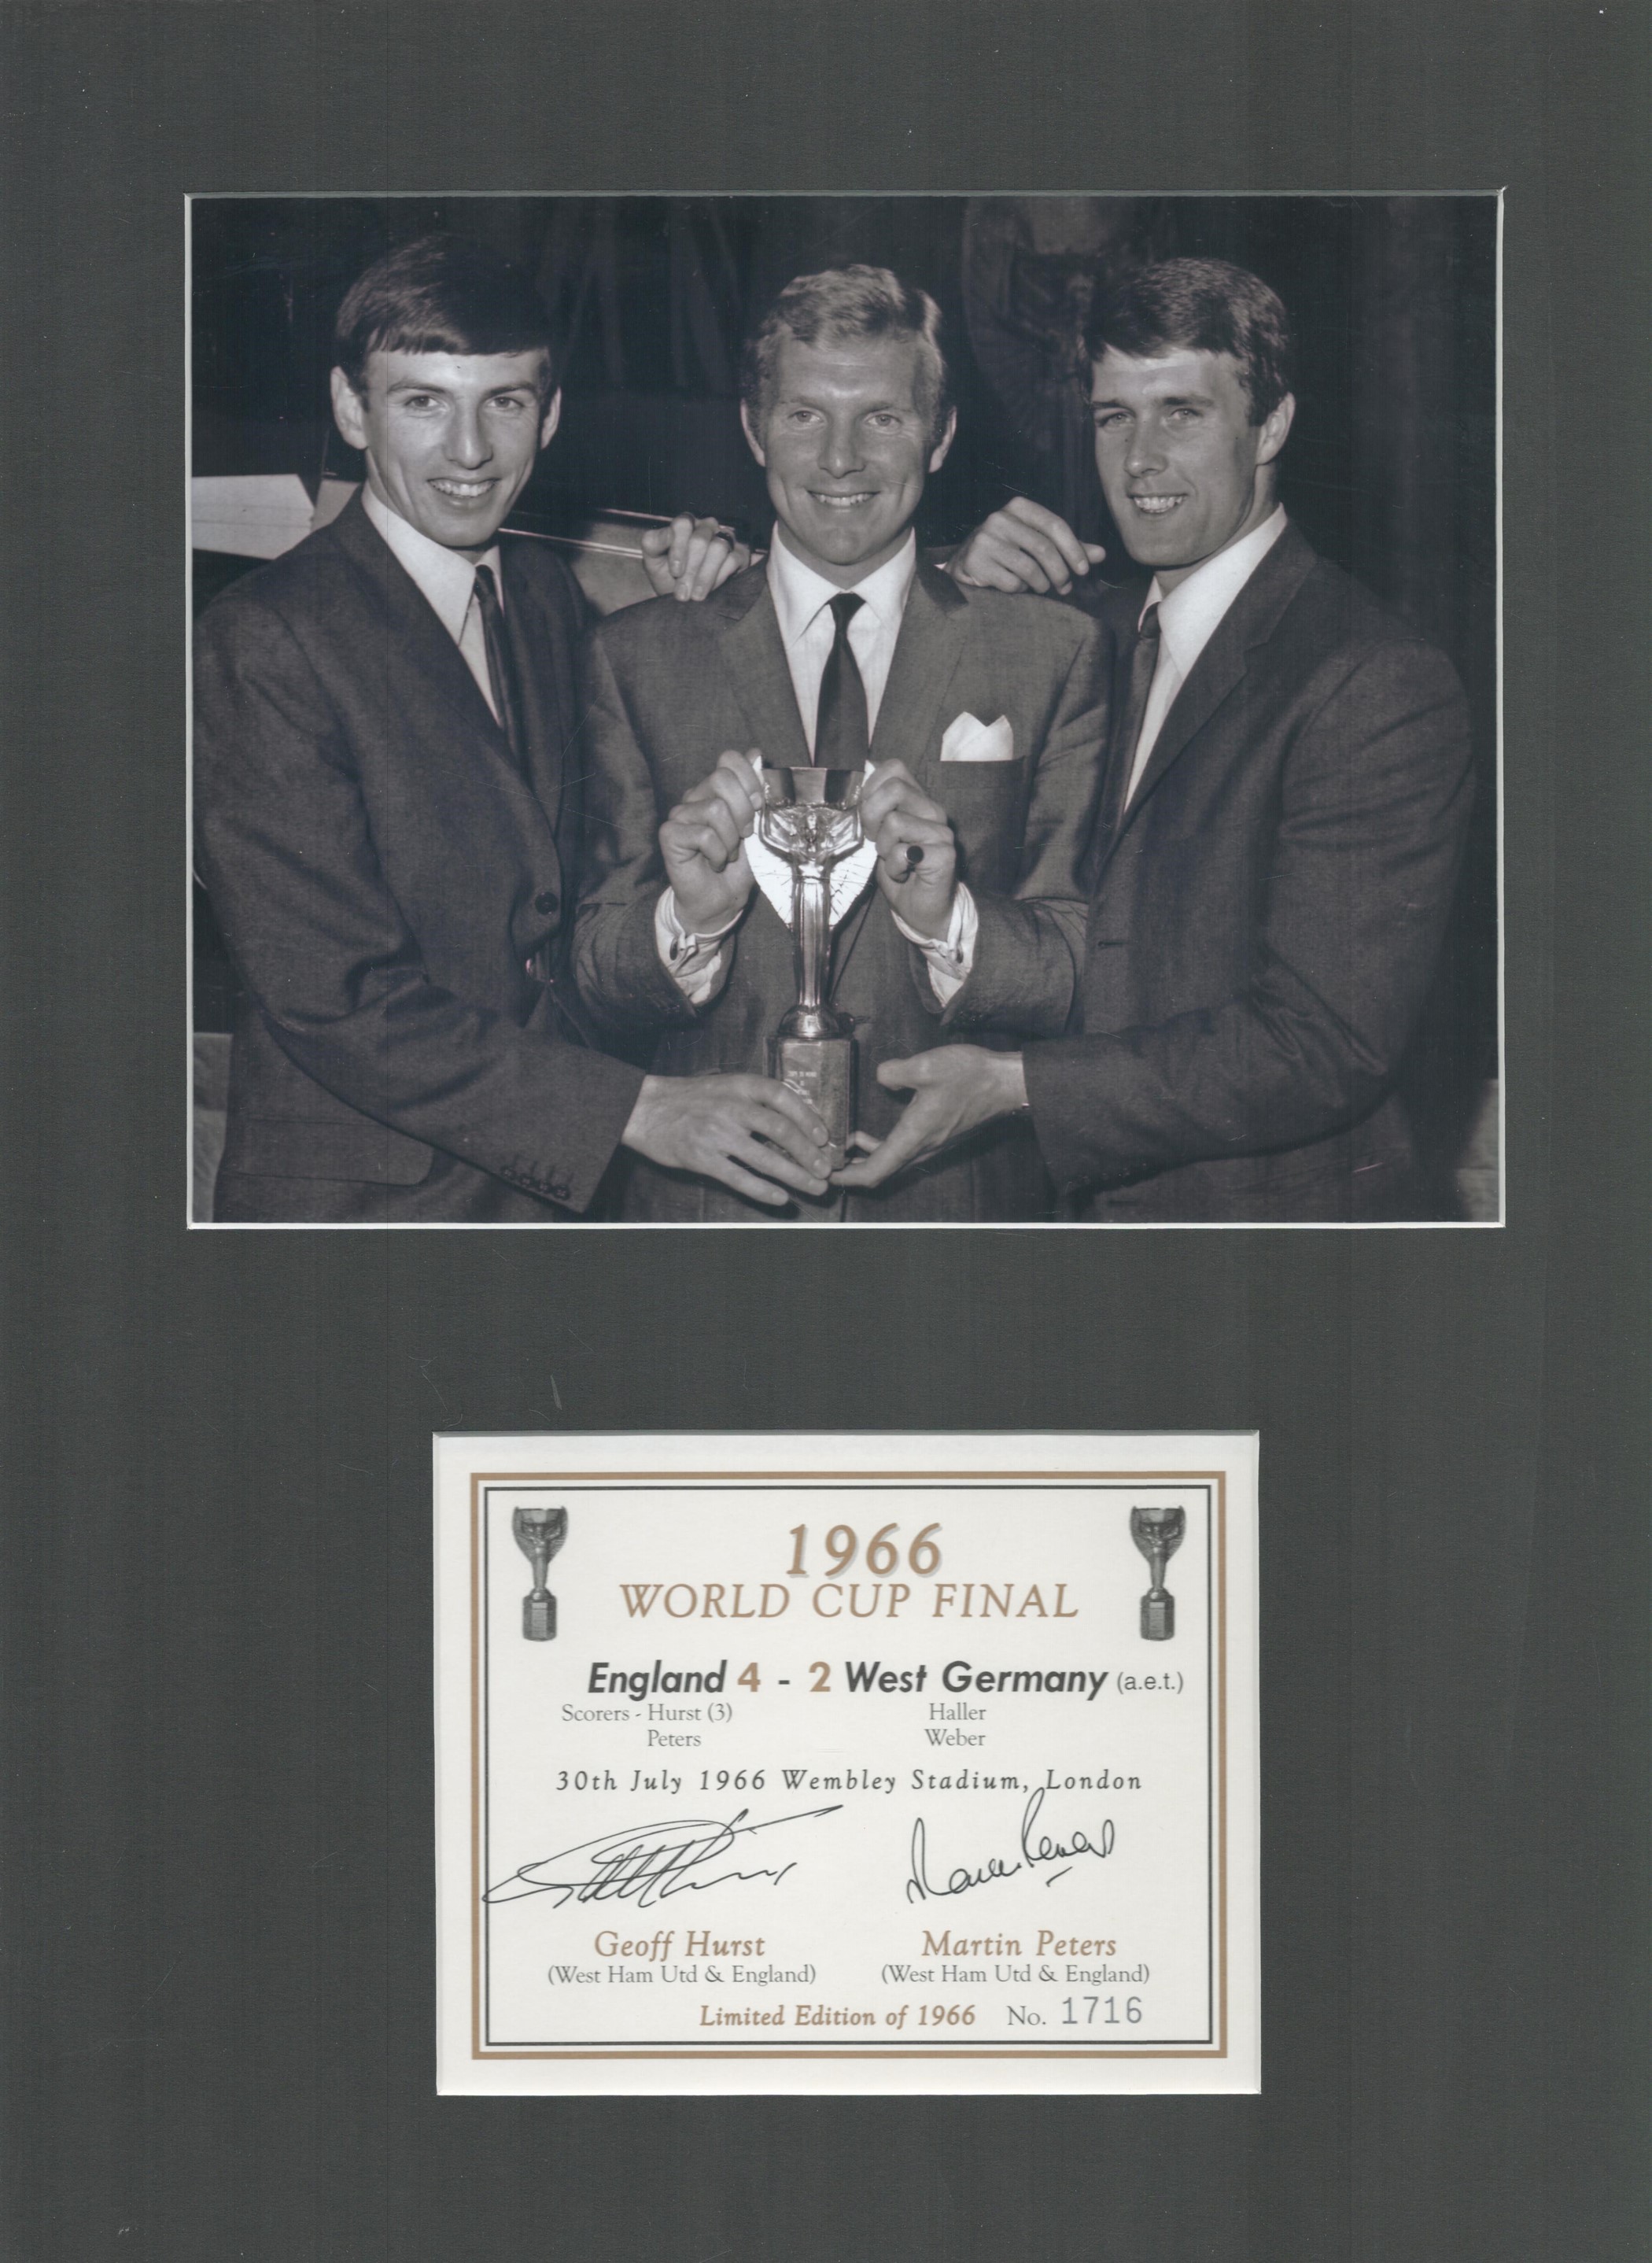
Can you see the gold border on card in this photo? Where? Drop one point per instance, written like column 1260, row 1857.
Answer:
column 771, row 2053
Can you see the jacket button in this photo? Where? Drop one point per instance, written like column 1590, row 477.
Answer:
column 559, row 1193
column 544, row 903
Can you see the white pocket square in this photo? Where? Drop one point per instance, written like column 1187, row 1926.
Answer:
column 969, row 740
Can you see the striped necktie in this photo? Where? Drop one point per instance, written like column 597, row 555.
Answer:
column 501, row 670
column 1143, row 662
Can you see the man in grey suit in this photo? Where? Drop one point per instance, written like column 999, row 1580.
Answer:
column 389, row 819
column 977, row 718
column 1288, row 790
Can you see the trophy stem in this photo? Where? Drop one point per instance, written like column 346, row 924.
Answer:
column 811, row 926
column 810, row 819
column 1158, row 1608
column 540, row 1606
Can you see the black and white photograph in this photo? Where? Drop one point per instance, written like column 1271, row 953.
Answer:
column 845, row 710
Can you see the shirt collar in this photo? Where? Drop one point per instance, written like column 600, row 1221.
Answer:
column 445, row 578
column 1189, row 617
column 799, row 593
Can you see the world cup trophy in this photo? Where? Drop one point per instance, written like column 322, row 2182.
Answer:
column 811, row 818
column 1158, row 1533
column 539, row 1533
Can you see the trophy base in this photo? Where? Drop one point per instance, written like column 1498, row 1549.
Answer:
column 822, row 1069
column 539, row 1617
column 1159, row 1617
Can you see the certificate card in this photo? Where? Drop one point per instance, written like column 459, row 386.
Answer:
column 846, row 1762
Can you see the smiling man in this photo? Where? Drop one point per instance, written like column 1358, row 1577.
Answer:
column 1288, row 790
column 978, row 720
column 389, row 820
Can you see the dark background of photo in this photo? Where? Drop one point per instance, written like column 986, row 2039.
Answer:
column 218, row 2016
column 1390, row 470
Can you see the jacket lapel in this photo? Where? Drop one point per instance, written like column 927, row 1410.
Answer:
column 925, row 659
column 741, row 614
column 427, row 660
column 926, row 654
column 1251, row 620
column 749, row 638
column 1119, row 615
column 543, row 684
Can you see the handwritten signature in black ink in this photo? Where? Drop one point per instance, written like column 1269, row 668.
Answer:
column 1035, row 1851
column 647, row 1863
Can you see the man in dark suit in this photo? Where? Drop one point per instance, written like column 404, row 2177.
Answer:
column 1288, row 790
column 978, row 719
column 389, row 820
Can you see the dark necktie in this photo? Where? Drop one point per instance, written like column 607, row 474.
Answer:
column 500, row 672
column 841, row 737
column 1144, row 660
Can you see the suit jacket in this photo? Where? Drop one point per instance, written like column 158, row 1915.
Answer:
column 669, row 686
column 1265, row 918
column 383, row 874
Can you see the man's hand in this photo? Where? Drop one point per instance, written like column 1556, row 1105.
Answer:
column 745, row 1131
column 956, row 1090
column 691, row 556
column 1021, row 547
column 897, row 816
column 702, row 841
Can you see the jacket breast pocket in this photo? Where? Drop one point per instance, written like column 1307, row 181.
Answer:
column 987, row 803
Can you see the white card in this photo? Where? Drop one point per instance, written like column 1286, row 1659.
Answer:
column 881, row 1763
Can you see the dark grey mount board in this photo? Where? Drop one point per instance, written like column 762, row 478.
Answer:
column 218, row 1813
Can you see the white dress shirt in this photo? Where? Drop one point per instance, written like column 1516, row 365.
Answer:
column 446, row 579
column 1188, row 618
column 802, row 601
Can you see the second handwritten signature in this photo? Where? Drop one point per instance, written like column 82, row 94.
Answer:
column 1037, row 1850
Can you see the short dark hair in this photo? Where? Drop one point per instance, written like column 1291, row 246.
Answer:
column 441, row 294
column 1201, row 306
column 839, row 306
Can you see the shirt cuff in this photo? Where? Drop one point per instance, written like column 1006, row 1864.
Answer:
column 694, row 962
column 951, row 956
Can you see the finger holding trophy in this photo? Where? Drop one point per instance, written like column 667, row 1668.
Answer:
column 917, row 854
column 703, row 842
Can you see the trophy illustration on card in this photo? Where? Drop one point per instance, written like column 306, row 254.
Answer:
column 812, row 819
column 539, row 1533
column 1159, row 1534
